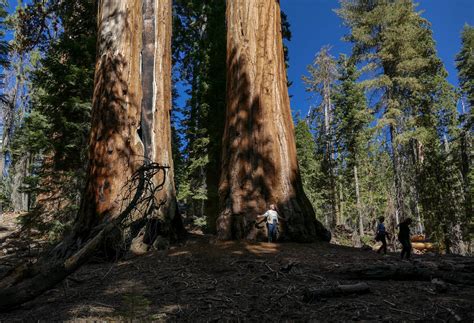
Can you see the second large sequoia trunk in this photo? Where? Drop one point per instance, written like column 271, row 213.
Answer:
column 259, row 151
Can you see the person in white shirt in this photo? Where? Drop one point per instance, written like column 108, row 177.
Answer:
column 272, row 223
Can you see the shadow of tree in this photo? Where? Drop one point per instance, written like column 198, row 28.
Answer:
column 253, row 175
column 247, row 171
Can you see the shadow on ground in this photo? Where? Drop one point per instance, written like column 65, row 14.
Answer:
column 206, row 280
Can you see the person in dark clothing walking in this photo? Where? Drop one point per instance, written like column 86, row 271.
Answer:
column 381, row 235
column 404, row 238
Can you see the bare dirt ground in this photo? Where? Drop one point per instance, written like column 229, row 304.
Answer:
column 205, row 280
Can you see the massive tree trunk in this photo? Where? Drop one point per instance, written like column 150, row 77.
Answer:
column 259, row 164
column 114, row 145
column 130, row 135
column 216, row 96
column 131, row 112
column 156, row 106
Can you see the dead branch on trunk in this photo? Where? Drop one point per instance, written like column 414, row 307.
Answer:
column 28, row 281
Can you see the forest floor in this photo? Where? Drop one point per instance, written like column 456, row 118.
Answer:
column 202, row 279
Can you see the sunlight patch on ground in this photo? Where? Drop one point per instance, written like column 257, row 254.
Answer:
column 263, row 247
column 92, row 309
column 124, row 286
column 178, row 253
column 169, row 309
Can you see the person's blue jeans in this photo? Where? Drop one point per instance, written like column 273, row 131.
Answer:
column 272, row 231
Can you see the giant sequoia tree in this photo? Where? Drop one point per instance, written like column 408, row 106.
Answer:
column 259, row 164
column 131, row 109
column 130, row 137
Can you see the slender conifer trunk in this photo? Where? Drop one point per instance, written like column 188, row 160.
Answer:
column 359, row 206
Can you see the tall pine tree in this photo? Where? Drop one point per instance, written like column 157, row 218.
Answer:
column 465, row 66
column 415, row 101
column 321, row 82
column 352, row 119
column 199, row 46
column 55, row 132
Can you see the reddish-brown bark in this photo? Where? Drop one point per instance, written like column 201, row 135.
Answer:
column 131, row 107
column 259, row 164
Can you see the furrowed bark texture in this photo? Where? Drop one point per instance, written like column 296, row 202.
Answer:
column 156, row 104
column 259, row 164
column 130, row 136
column 113, row 144
column 131, row 107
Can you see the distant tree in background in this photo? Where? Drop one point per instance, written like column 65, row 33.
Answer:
column 309, row 162
column 465, row 66
column 4, row 63
column 321, row 82
column 16, row 107
column 4, row 48
column 351, row 119
column 54, row 133
column 417, row 108
column 199, row 49
column 360, row 190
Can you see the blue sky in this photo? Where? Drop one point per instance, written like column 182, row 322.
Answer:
column 315, row 24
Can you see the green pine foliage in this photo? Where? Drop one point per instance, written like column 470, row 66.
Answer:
column 60, row 98
column 199, row 47
column 310, row 167
column 417, row 107
column 441, row 195
column 4, row 47
column 465, row 66
column 320, row 83
column 4, row 64
column 351, row 126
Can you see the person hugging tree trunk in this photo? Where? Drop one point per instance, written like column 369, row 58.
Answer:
column 271, row 217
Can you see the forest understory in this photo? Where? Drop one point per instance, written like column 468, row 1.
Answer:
column 202, row 279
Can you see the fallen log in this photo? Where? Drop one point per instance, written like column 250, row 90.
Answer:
column 418, row 238
column 28, row 281
column 315, row 294
column 419, row 271
column 423, row 246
